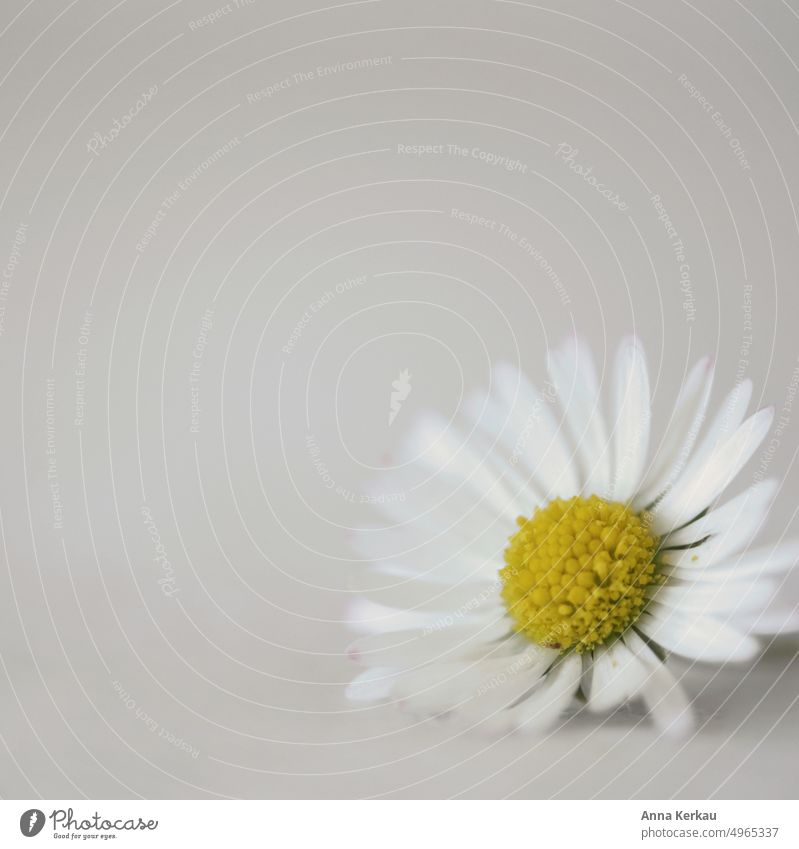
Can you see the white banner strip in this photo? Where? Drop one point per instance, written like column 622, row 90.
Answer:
column 405, row 824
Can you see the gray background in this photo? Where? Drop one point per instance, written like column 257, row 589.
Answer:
column 233, row 684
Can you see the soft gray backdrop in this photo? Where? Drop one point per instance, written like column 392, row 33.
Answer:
column 225, row 229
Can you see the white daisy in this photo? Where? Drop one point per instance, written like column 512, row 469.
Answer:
column 551, row 558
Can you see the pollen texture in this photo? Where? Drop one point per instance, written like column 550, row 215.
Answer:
column 575, row 573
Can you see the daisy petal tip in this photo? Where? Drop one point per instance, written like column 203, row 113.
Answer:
column 359, row 615
column 761, row 422
column 632, row 345
column 569, row 342
column 768, row 487
column 750, row 649
column 369, row 687
column 705, row 369
column 426, row 430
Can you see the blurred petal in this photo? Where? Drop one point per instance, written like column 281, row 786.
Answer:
column 443, row 643
column 683, row 429
column 633, row 412
column 757, row 563
column 372, row 685
column 695, row 636
column 571, row 368
column 702, row 483
column 668, row 705
column 542, row 706
column 615, row 675
column 540, row 445
column 729, row 527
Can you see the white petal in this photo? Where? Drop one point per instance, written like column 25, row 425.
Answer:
column 461, row 568
column 776, row 622
column 727, row 597
column 438, row 687
column 727, row 420
column 633, row 412
column 695, row 635
column 440, row 511
column 667, row 703
column 545, row 702
column 724, row 423
column 702, row 484
column 540, row 445
column 443, row 449
column 491, row 422
column 368, row 617
column 440, row 642
column 422, row 547
column 507, row 684
column 730, row 527
column 423, row 596
column 616, row 675
column 571, row 368
column 756, row 563
column 683, row 429
column 475, row 690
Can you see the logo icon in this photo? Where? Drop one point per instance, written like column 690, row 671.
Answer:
column 31, row 822
column 402, row 389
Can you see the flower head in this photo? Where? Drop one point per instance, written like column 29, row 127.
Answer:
column 563, row 555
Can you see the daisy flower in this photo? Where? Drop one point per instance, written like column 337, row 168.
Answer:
column 555, row 556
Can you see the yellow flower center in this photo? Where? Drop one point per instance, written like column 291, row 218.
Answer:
column 576, row 572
